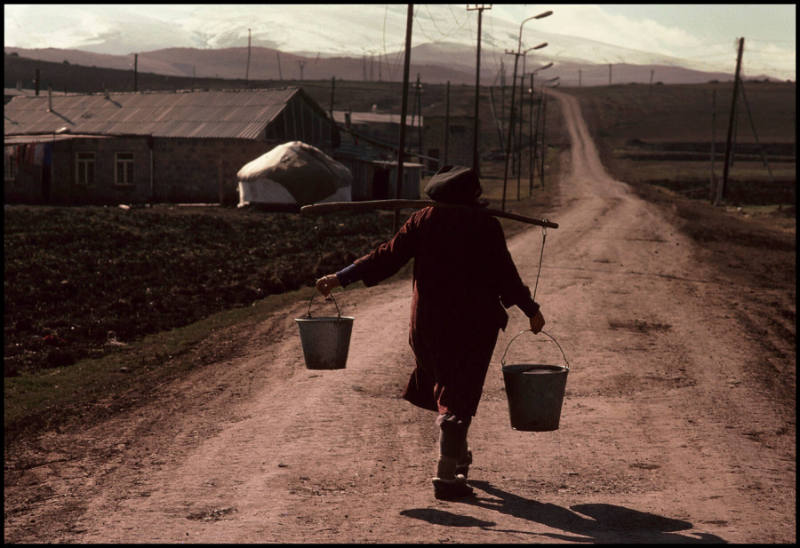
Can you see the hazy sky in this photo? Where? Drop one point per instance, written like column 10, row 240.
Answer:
column 701, row 34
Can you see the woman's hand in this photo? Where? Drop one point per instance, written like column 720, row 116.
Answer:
column 537, row 322
column 326, row 283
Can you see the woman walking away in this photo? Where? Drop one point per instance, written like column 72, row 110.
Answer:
column 464, row 279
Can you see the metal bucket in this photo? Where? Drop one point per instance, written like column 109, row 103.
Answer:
column 325, row 339
column 535, row 392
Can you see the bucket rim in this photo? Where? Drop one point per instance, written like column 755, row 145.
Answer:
column 516, row 368
column 325, row 318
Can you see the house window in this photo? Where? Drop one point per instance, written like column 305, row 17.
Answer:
column 10, row 167
column 84, row 168
column 123, row 169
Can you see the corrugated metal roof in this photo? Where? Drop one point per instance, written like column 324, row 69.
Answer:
column 240, row 114
column 45, row 138
column 29, row 92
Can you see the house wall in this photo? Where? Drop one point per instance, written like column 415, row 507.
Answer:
column 24, row 184
column 460, row 142
column 55, row 182
column 202, row 170
column 105, row 190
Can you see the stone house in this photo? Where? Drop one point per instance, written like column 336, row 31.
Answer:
column 150, row 146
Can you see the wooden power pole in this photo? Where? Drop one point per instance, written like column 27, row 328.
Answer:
column 247, row 70
column 476, row 124
column 446, row 126
column 726, row 164
column 403, row 110
column 713, row 190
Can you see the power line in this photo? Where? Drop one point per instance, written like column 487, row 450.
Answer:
column 771, row 40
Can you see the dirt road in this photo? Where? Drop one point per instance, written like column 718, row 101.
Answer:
column 668, row 431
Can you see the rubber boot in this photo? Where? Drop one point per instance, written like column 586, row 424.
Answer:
column 447, row 485
column 462, row 468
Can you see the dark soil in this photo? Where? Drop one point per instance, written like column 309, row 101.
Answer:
column 77, row 278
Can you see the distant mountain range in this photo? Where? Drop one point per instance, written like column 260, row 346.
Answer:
column 434, row 62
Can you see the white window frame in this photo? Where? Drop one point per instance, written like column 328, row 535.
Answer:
column 127, row 172
column 85, row 158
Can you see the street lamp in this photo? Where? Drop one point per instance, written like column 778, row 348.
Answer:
column 513, row 93
column 534, row 138
column 518, row 157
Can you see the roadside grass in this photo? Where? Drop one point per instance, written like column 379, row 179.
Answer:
column 96, row 387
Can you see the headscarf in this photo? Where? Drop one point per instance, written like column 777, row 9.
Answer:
column 455, row 185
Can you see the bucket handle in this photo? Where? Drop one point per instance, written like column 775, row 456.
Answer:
column 308, row 314
column 503, row 360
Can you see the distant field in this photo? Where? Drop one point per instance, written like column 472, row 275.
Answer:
column 663, row 135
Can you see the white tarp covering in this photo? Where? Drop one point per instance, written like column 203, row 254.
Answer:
column 294, row 173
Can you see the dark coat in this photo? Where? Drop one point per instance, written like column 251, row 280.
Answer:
column 464, row 276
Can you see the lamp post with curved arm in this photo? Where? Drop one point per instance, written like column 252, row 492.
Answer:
column 518, row 158
column 555, row 84
column 533, row 132
column 513, row 90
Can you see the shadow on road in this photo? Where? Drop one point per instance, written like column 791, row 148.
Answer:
column 606, row 523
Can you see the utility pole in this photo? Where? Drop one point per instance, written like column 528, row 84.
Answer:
column 609, row 74
column 502, row 91
column 419, row 115
column 513, row 89
column 247, row 70
column 333, row 89
column 476, row 124
column 530, row 142
column 403, row 108
column 536, row 129
column 755, row 135
column 521, row 122
column 447, row 125
column 509, row 152
column 713, row 190
column 135, row 72
column 497, row 121
column 280, row 73
column 725, row 168
column 544, row 146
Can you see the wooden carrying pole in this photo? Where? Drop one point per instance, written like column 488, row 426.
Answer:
column 370, row 205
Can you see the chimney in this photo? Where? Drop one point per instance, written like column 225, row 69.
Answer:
column 50, row 99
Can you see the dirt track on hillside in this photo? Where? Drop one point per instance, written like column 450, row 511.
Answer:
column 669, row 432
